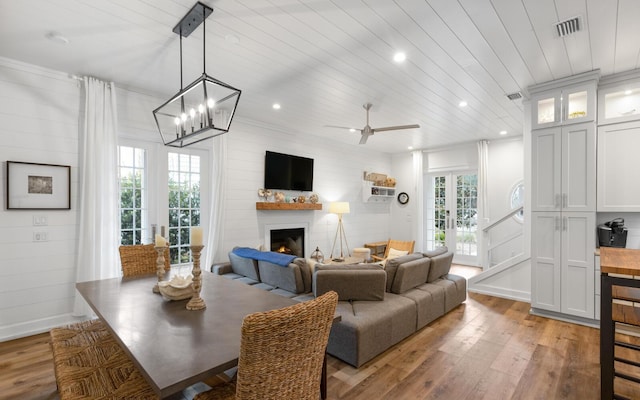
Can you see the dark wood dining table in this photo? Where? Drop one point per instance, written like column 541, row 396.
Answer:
column 173, row 347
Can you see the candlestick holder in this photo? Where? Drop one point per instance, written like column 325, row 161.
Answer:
column 159, row 266
column 196, row 302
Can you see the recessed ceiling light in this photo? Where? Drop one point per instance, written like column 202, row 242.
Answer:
column 276, row 106
column 56, row 37
column 462, row 104
column 410, row 148
column 628, row 92
column 399, row 57
column 503, row 132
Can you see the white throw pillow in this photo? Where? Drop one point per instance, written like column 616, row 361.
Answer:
column 393, row 253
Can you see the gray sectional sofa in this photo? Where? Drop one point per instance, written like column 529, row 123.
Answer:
column 379, row 307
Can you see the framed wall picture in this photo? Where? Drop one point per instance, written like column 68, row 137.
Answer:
column 32, row 186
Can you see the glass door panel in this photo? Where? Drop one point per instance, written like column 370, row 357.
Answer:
column 577, row 104
column 546, row 110
column 451, row 215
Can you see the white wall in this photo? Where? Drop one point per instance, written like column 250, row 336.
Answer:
column 505, row 170
column 403, row 216
column 338, row 172
column 39, row 111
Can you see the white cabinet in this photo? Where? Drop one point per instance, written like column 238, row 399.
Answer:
column 618, row 184
column 563, row 106
column 564, row 168
column 562, row 262
column 371, row 192
column 619, row 98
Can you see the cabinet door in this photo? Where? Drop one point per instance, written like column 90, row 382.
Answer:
column 578, row 167
column 618, row 185
column 545, row 260
column 578, row 245
column 579, row 103
column 546, row 168
column 546, row 109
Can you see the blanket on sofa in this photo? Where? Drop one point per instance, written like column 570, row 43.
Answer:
column 270, row 256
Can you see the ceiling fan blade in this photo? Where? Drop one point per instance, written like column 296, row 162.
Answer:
column 364, row 138
column 341, row 127
column 395, row 128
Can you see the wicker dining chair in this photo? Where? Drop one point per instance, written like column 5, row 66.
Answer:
column 281, row 353
column 140, row 259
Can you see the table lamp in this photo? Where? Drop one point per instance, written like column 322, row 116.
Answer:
column 339, row 207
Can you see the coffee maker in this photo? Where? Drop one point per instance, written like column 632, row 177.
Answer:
column 612, row 233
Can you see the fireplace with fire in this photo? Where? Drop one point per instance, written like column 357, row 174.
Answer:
column 288, row 241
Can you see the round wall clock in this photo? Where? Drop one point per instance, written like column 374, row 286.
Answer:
column 403, row 198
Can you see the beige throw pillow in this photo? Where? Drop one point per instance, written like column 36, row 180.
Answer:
column 393, row 253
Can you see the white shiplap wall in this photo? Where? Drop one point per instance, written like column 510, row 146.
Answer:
column 39, row 110
column 338, row 171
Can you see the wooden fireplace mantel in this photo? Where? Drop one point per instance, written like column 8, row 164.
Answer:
column 287, row 206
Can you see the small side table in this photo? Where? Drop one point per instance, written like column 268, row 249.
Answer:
column 377, row 248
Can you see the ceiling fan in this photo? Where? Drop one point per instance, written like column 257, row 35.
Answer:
column 369, row 131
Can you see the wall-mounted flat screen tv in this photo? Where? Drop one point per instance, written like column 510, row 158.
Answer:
column 287, row 172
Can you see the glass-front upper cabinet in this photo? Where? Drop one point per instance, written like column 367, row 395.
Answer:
column 564, row 106
column 619, row 98
column 565, row 101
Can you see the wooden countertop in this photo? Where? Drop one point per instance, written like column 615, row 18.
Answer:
column 619, row 261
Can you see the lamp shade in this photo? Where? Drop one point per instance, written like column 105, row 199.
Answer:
column 339, row 207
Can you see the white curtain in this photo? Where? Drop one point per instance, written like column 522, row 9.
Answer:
column 483, row 166
column 418, row 180
column 215, row 227
column 98, row 188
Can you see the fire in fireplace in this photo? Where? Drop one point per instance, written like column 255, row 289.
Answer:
column 288, row 241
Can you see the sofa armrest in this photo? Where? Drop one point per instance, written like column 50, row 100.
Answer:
column 351, row 284
column 221, row 268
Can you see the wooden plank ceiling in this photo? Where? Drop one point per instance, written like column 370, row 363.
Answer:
column 321, row 60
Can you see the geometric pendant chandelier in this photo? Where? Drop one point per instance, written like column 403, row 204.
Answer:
column 203, row 109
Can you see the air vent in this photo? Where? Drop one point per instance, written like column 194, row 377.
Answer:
column 568, row 27
column 514, row 96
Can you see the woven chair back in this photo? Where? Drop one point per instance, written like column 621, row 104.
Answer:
column 140, row 259
column 282, row 351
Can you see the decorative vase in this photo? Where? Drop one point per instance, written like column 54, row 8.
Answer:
column 317, row 255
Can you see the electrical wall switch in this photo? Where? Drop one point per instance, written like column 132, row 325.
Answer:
column 40, row 236
column 40, row 220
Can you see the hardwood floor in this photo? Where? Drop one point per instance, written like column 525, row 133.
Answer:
column 487, row 348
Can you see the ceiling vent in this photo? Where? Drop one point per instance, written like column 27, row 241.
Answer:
column 514, row 96
column 568, row 27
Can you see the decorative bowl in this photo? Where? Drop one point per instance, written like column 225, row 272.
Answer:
column 178, row 288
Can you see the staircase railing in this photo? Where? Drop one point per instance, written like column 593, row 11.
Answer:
column 491, row 247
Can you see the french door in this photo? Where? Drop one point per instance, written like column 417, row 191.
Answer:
column 451, row 214
column 161, row 191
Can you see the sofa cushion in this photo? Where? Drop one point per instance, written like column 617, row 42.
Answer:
column 368, row 328
column 244, row 266
column 440, row 266
column 410, row 274
column 289, row 278
column 436, row 252
column 351, row 282
column 392, row 265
